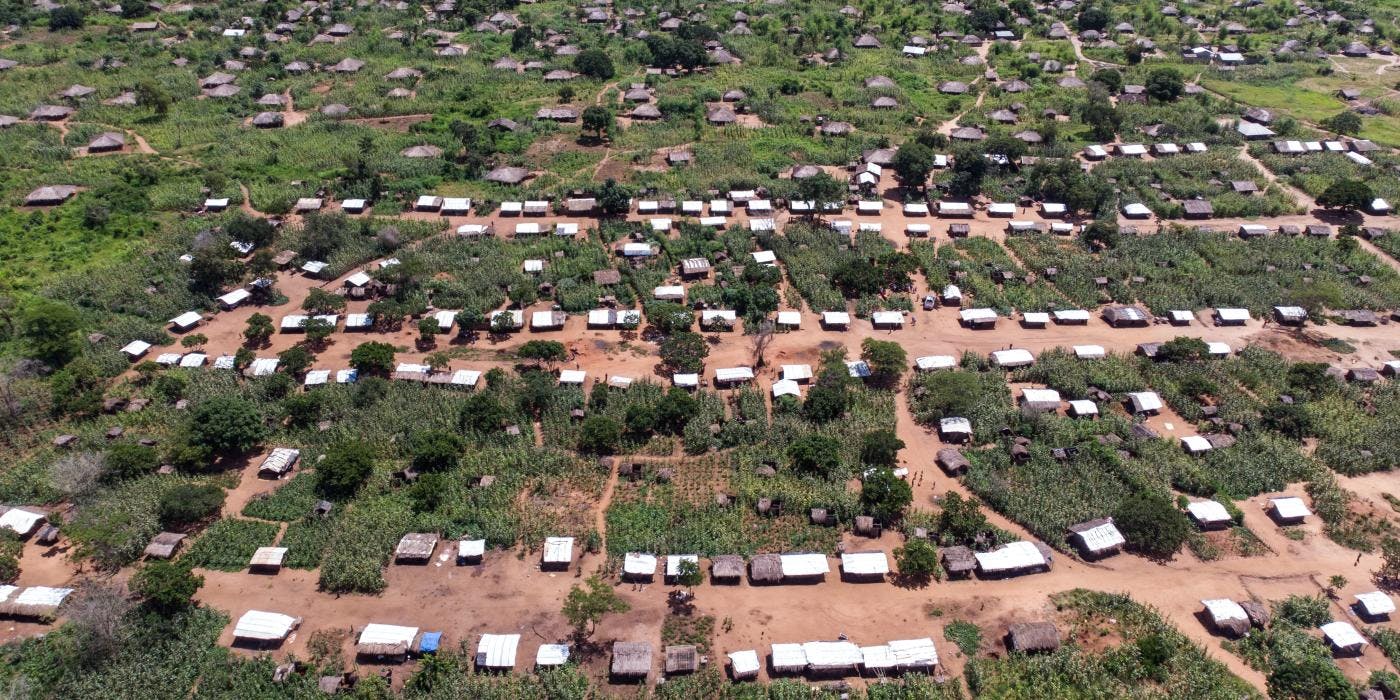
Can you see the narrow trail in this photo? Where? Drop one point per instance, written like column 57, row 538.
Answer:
column 600, row 515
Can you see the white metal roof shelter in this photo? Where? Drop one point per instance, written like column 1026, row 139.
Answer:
column 764, row 257
column 639, row 564
column 1289, row 507
column 359, row 279
column 168, row 359
column 790, row 319
column 1342, row 636
column 1224, row 610
column 686, row 380
column 260, row 626
column 473, row 229
column 186, row 321
column 546, row 320
column 1101, row 537
column 877, row 658
column 1375, row 603
column 1208, row 512
column 979, row 315
column 914, row 653
column 915, row 209
column 637, row 250
column 458, row 205
column 514, row 318
column 528, row 228
column 803, row 565
column 823, row 656
column 194, row 359
column 1136, row 210
column 468, row 549
column 497, row 651
column 223, row 362
column 797, row 373
column 954, row 208
column 558, row 550
column 314, row 267
column 136, row 349
column 279, row 461
column 928, row 363
column 466, row 377
column 445, row 320
column 952, row 293
column 1015, row 357
column 734, row 374
column 1144, row 401
column 21, row 521
column 955, row 425
column 1229, row 315
column 860, row 369
column 234, row 298
column 566, row 228
column 263, row 366
column 1001, row 209
column 836, row 318
column 1012, row 556
column 346, row 376
column 572, row 376
column 389, row 635
column 1089, row 352
column 552, row 655
column 1035, row 318
column 1081, row 408
column 887, row 318
column 270, row 557
column 762, row 225
column 427, row 201
column 786, row 387
column 669, row 292
column 1195, row 444
column 1216, row 348
column 673, row 563
column 532, row 266
column 918, row 229
column 743, row 664
column 1040, row 396
column 789, row 658
column 865, row 563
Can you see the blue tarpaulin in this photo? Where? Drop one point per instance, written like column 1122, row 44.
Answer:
column 429, row 643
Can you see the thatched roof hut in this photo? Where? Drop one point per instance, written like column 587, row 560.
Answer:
column 416, row 548
column 1028, row 637
column 952, row 461
column 726, row 568
column 682, row 658
column 631, row 660
column 765, row 569
column 164, row 545
column 959, row 562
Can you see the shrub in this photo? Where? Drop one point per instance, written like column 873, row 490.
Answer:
column 885, row 495
column 816, row 454
column 435, row 450
column 599, row 435
column 189, row 503
column 1152, row 524
column 128, row 460
column 226, row 424
column 167, row 586
column 880, row 447
column 345, row 467
column 917, row 559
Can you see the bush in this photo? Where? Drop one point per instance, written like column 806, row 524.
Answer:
column 594, row 63
column 129, row 460
column 435, row 450
column 226, row 424
column 167, row 586
column 189, row 503
column 917, row 559
column 684, row 352
column 599, row 435
column 880, row 448
column 345, row 467
column 1152, row 524
column 884, row 495
column 816, row 454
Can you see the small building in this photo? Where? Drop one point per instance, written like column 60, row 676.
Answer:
column 726, row 569
column 496, row 652
column 385, row 642
column 164, row 545
column 1288, row 510
column 1290, row 315
column 1031, row 637
column 470, row 552
column 558, row 553
column 415, row 548
column 864, row 567
column 260, row 628
column 638, row 567
column 743, row 665
column 952, row 461
column 1013, row 559
column 1343, row 638
column 959, row 561
column 1209, row 515
column 765, row 569
column 551, row 655
column 1226, row 617
column 1374, row 606
column 681, row 659
column 279, row 462
column 631, row 661
column 1126, row 316
column 1097, row 539
column 1230, row 316
column 1145, row 402
column 1040, row 400
column 804, row 567
column 267, row 560
column 954, row 429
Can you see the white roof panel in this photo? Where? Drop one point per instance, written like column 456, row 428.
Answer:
column 552, row 655
column 471, row 548
column 932, row 362
column 1009, row 557
column 376, row 633
column 673, row 562
column 1015, row 357
column 559, row 549
column 1375, row 603
column 639, row 564
column 832, row 654
column 1342, row 635
column 1290, row 507
column 1208, row 511
column 1222, row 609
column 263, row 626
column 877, row 657
column 789, row 656
column 744, row 662
column 865, row 563
column 805, row 564
column 20, row 520
column 1089, row 352
column 497, row 650
column 733, row 374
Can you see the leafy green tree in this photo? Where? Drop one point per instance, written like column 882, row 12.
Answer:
column 317, row 331
column 1347, row 122
column 912, row 165
column 884, row 495
column 961, row 521
column 428, row 329
column 194, row 340
column 302, row 410
column 1347, row 195
column 372, row 358
column 249, row 229
column 1109, row 78
column 886, row 358
column 640, row 420
column 688, row 574
column 128, row 460
column 435, row 450
column 227, row 424
column 587, row 605
column 319, row 301
column 482, row 413
column 295, row 360
column 167, row 586
column 1102, row 233
column 1183, row 349
column 599, row 435
column 543, row 350
column 1308, row 677
column 594, row 63
column 1101, row 116
column 917, row 560
column 818, row 189
column 49, row 331
column 675, row 409
column 1092, row 18
column 1152, row 524
column 669, row 318
column 346, row 466
column 259, row 329
column 684, row 351
column 880, row 448
column 599, row 120
column 816, row 454
column 613, row 199
column 187, row 504
column 65, row 17
column 1165, row 84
